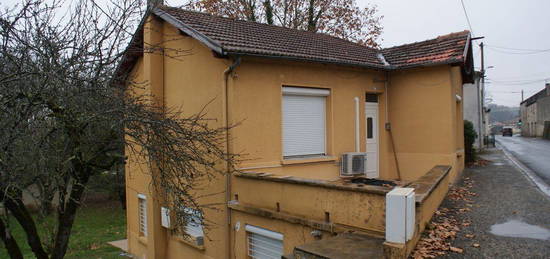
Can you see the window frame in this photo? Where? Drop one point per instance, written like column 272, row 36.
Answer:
column 142, row 215
column 190, row 237
column 301, row 91
column 198, row 215
column 266, row 233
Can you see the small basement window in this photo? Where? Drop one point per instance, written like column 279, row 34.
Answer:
column 193, row 229
column 304, row 121
column 142, row 214
column 263, row 243
column 194, row 223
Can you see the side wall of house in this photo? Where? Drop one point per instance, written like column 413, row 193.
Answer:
column 523, row 117
column 530, row 122
column 543, row 114
column 192, row 82
column 137, row 182
column 472, row 110
column 426, row 120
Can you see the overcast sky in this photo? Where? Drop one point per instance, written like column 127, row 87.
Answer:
column 504, row 23
column 508, row 26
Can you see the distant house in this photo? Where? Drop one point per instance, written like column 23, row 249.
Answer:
column 313, row 108
column 475, row 110
column 535, row 114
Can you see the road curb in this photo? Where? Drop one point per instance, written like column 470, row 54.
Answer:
column 532, row 176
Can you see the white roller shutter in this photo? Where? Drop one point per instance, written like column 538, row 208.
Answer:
column 264, row 244
column 142, row 211
column 304, row 121
column 194, row 223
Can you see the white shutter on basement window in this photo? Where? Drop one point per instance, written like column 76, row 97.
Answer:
column 304, row 121
column 264, row 244
column 142, row 210
column 194, row 223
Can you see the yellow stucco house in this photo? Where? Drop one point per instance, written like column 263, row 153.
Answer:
column 311, row 108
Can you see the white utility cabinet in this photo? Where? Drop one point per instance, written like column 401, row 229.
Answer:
column 400, row 215
column 165, row 217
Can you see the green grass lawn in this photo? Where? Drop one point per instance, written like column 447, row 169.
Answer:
column 95, row 225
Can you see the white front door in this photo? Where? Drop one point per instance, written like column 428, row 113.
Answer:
column 371, row 114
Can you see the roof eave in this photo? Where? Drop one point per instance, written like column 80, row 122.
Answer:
column 466, row 48
column 454, row 61
column 290, row 58
column 212, row 44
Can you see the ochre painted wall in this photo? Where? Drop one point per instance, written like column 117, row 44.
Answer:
column 423, row 116
column 425, row 120
column 137, row 181
column 192, row 80
column 256, row 105
column 355, row 209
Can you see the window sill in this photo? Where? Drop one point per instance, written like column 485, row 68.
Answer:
column 293, row 161
column 142, row 240
column 190, row 241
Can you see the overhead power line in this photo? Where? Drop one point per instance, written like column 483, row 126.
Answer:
column 516, row 51
column 540, row 74
column 500, row 47
column 467, row 17
column 519, row 82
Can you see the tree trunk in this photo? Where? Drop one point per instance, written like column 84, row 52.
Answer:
column 47, row 194
column 311, row 24
column 268, row 11
column 45, row 207
column 19, row 211
column 66, row 218
column 9, row 242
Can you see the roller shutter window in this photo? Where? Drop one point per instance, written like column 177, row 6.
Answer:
column 263, row 243
column 304, row 121
column 142, row 211
column 194, row 223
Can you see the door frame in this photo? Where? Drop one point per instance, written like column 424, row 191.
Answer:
column 376, row 132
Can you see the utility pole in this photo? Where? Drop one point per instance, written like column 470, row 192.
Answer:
column 521, row 95
column 482, row 74
column 481, row 96
column 482, row 118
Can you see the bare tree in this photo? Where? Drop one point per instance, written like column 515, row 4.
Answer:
column 340, row 18
column 69, row 112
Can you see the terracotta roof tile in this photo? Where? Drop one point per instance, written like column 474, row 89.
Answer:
column 443, row 49
column 244, row 37
column 250, row 38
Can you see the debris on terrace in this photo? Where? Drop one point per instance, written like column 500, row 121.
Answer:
column 436, row 239
column 479, row 162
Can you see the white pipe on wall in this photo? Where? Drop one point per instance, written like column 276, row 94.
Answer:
column 357, row 141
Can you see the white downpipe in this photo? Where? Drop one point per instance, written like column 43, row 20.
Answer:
column 357, row 142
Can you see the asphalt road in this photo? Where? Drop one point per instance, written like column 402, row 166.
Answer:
column 532, row 152
column 509, row 217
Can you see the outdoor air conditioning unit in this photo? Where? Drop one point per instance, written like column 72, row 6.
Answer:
column 353, row 164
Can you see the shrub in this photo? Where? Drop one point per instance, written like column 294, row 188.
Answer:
column 470, row 136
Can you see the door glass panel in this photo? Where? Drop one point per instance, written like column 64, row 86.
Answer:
column 369, row 128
